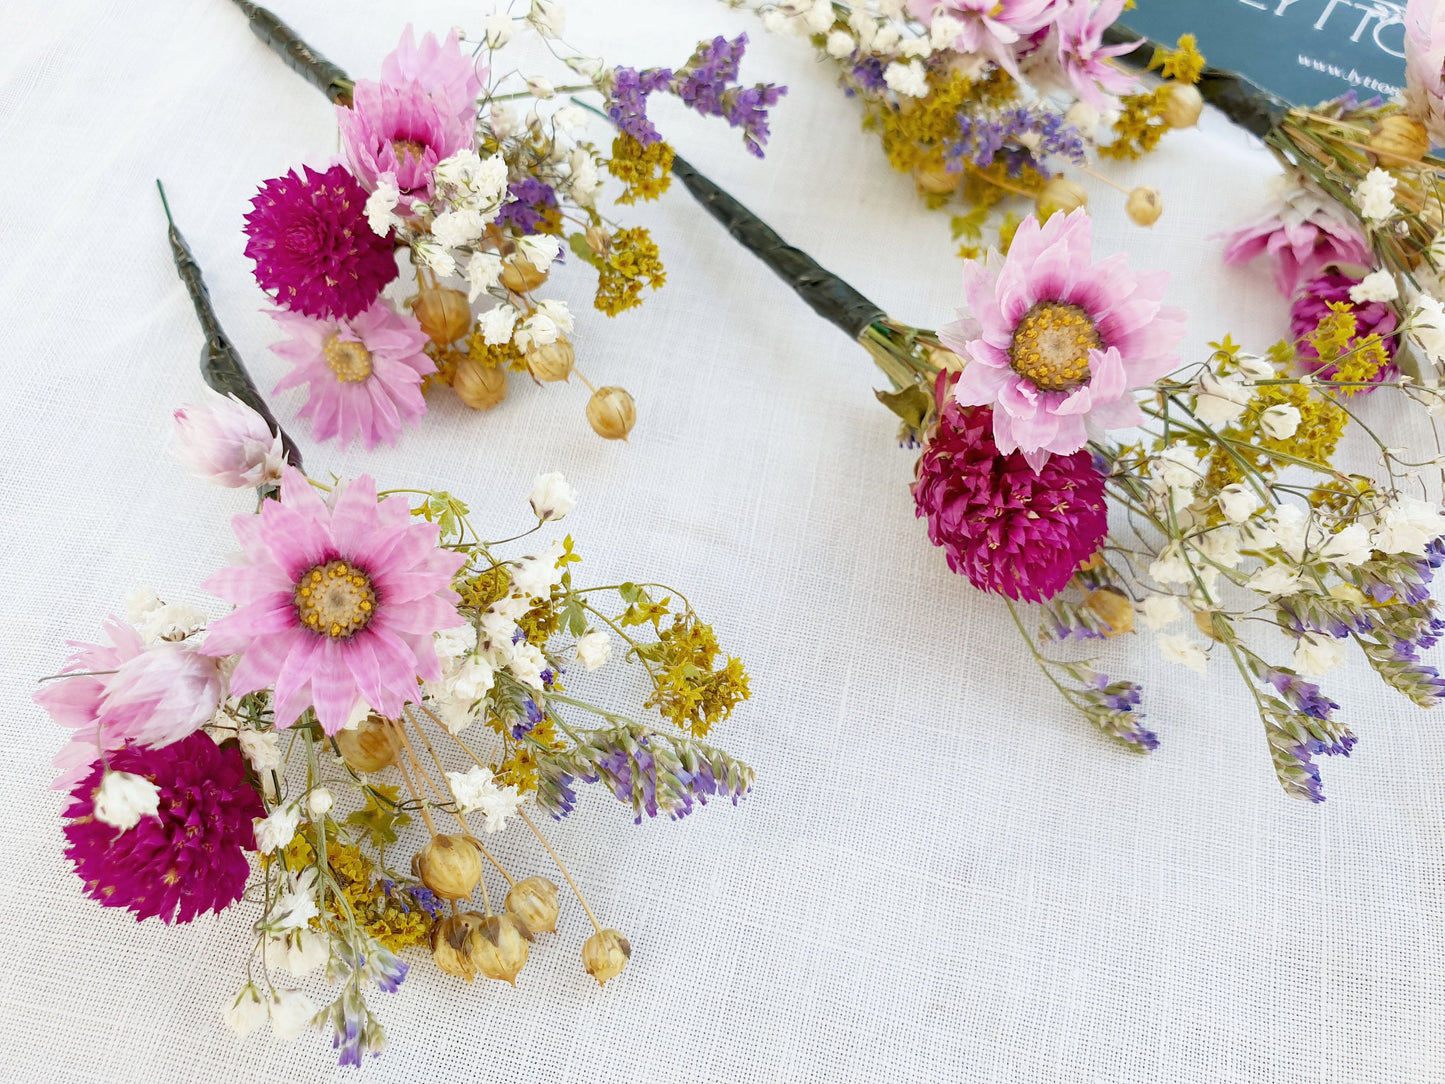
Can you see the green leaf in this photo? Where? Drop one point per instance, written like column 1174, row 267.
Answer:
column 380, row 822
column 577, row 242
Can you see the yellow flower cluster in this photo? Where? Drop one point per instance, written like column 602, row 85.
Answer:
column 1354, row 361
column 645, row 171
column 632, row 264
column 914, row 134
column 1184, row 63
column 1140, row 125
column 689, row 691
column 518, row 767
column 381, row 915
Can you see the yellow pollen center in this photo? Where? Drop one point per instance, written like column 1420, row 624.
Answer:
column 1051, row 345
column 404, row 147
column 350, row 361
column 335, row 599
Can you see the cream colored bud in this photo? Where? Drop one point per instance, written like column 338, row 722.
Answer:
column 370, row 747
column 1183, row 106
column 534, row 901
column 605, row 954
column 1398, row 139
column 1060, row 194
column 611, row 413
column 599, row 240
column 1144, row 206
column 1113, row 607
column 449, row 944
column 450, row 866
column 480, row 386
column 443, row 313
column 521, row 275
column 937, row 181
column 551, row 362
column 498, row 947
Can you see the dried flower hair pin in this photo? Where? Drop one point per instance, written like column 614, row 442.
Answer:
column 382, row 662
column 483, row 179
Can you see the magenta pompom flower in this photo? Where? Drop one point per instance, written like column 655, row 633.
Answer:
column 363, row 373
column 1010, row 529
column 399, row 130
column 186, row 859
column 1425, row 65
column 74, row 702
column 336, row 604
column 447, row 75
column 1057, row 343
column 314, row 249
column 1313, row 305
column 1303, row 232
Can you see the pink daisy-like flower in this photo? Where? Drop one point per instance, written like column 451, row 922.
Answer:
column 1313, row 305
column 398, row 129
column 991, row 28
column 315, row 252
column 1058, row 343
column 336, row 604
column 74, row 702
column 1011, row 529
column 187, row 859
column 1425, row 65
column 1303, row 232
column 1078, row 35
column 363, row 373
column 448, row 77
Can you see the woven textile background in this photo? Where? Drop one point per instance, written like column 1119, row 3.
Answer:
column 942, row 874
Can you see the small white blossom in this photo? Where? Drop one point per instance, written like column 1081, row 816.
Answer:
column 526, row 662
column 584, row 183
column 319, row 803
column 1081, row 115
column 886, row 39
column 456, row 228
column 1178, row 648
column 539, row 250
column 1317, row 654
column 1427, row 327
column 840, row 44
column 497, row 29
column 359, row 711
column 557, row 312
column 1171, row 567
column 1220, row 545
column 547, row 18
column 476, row 790
column 1160, row 611
column 455, row 715
column 774, row 21
column 536, row 576
column 124, row 798
column 1219, row 400
column 452, row 644
column 300, row 951
column 540, row 87
column 435, row 256
column 471, row 680
column 1375, row 196
column 503, row 120
column 909, row 79
column 1275, row 580
column 865, row 26
column 819, row 17
column 1348, row 547
column 594, row 648
column 536, row 330
column 1407, row 525
column 1238, row 502
column 296, row 907
column 551, row 497
column 247, row 1012
column 944, row 31
column 1280, row 422
column 1254, row 367
column 261, row 747
column 1376, row 286
column 291, row 1014
column 1177, row 465
column 498, row 806
column 140, row 603
column 381, row 205
column 568, row 119
column 484, row 270
column 278, row 828
column 497, row 325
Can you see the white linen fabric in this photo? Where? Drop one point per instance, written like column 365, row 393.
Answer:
column 942, row 875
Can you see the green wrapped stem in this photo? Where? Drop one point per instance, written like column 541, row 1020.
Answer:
column 305, row 61
column 221, row 366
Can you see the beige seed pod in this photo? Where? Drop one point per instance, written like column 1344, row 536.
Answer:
column 1144, row 206
column 444, row 313
column 370, row 747
column 1204, row 622
column 937, row 181
column 1112, row 607
column 480, row 386
column 1397, row 139
column 611, row 413
column 605, row 954
column 498, row 947
column 450, row 866
column 521, row 275
column 449, row 944
column 534, row 901
column 1060, row 194
column 599, row 240
column 551, row 362
column 1183, row 106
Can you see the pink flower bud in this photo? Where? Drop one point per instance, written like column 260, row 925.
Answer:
column 226, row 442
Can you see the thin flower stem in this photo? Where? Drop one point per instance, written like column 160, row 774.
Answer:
column 575, row 891
column 1100, row 177
column 425, row 813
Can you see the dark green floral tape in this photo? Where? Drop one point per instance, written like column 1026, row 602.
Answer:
column 299, row 57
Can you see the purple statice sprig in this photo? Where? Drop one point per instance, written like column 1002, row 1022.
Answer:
column 1065, row 620
column 1023, row 136
column 527, row 206
column 1295, row 739
column 1396, row 660
column 1112, row 706
column 355, row 1030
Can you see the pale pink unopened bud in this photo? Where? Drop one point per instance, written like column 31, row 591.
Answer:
column 224, row 441
column 162, row 695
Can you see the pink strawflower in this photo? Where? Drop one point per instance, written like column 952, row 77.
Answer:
column 226, row 442
column 336, row 604
column 187, row 859
column 162, row 695
column 446, row 75
column 1303, row 232
column 1313, row 305
column 1425, row 65
column 1060, row 344
column 398, row 129
column 991, row 28
column 1011, row 529
column 75, row 702
column 1078, row 35
column 315, row 252
column 363, row 374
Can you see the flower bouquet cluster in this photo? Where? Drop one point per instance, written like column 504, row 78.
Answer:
column 482, row 176
column 382, row 662
column 992, row 102
column 1071, row 461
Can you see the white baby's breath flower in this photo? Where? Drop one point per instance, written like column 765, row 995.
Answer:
column 278, row 827
column 1407, row 525
column 539, row 250
column 584, row 183
column 503, row 120
column 497, row 324
column 1160, row 611
column 381, row 205
column 435, row 256
column 124, row 798
column 1376, row 286
column 547, row 18
column 774, row 21
column 1280, row 422
column 171, row 622
column 1316, row 654
column 1427, row 327
column 539, row 329
column 300, row 952
column 1375, row 196
column 551, row 497
column 943, row 33
column 864, row 26
column 1238, row 502
column 840, row 44
column 470, row 680
column 540, row 87
column 1254, row 367
column 247, row 1012
column 526, row 662
column 319, row 802
column 453, row 644
column 1175, row 647
column 484, row 270
column 1177, row 465
column 1171, row 567
column 1220, row 545
column 594, row 648
column 910, row 80
column 296, row 907
column 1081, row 115
column 471, row 786
column 497, row 806
column 557, row 312
column 536, row 576
column 1274, row 580
column 497, row 29
column 262, row 748
column 291, row 1014
column 819, row 17
column 1348, row 547
column 456, row 228
column 886, row 40
column 1219, row 400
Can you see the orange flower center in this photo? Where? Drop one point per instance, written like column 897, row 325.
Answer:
column 350, row 361
column 335, row 599
column 404, row 147
column 1051, row 345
